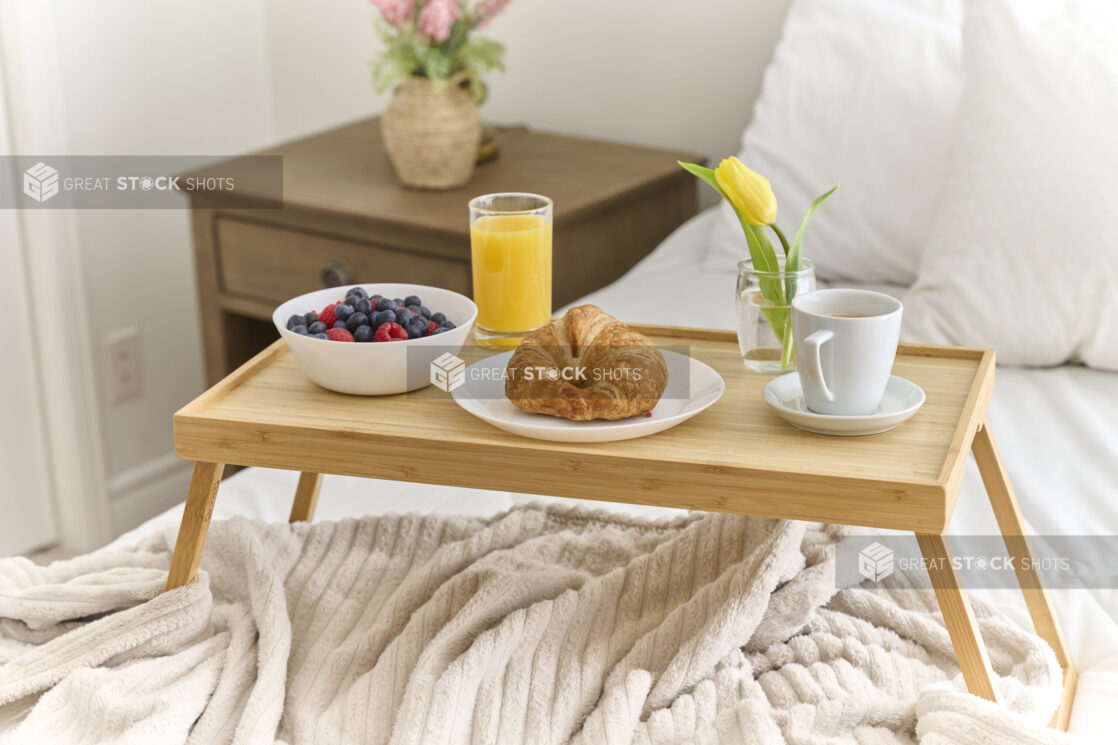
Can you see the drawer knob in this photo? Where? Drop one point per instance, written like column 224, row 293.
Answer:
column 337, row 272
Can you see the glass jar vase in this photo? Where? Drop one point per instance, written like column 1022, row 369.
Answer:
column 763, row 306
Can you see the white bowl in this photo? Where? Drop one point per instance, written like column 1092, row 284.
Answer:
column 375, row 368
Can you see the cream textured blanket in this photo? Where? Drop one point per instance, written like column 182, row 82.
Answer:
column 539, row 625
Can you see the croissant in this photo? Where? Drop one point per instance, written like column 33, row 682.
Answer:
column 586, row 365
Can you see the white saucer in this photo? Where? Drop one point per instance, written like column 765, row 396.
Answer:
column 692, row 387
column 901, row 400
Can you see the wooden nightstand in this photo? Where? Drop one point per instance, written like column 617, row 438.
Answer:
column 346, row 219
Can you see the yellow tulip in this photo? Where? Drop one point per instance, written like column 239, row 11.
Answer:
column 748, row 191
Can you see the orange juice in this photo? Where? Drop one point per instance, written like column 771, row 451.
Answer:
column 512, row 272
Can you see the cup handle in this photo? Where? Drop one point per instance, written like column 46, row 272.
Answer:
column 811, row 364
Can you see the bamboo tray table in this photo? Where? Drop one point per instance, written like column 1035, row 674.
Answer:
column 737, row 457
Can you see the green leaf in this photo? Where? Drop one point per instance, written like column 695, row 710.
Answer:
column 397, row 61
column 760, row 248
column 457, row 38
column 704, row 174
column 477, row 56
column 796, row 252
column 764, row 260
column 481, row 55
column 477, row 88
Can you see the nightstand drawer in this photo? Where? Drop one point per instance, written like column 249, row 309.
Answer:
column 276, row 263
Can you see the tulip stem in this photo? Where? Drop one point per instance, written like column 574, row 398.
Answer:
column 786, row 332
column 786, row 351
column 783, row 242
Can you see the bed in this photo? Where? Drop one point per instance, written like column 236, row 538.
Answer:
column 1056, row 428
column 920, row 186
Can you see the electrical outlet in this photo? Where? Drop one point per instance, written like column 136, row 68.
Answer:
column 123, row 348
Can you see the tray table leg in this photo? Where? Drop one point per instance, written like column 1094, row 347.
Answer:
column 1012, row 526
column 306, row 497
column 195, row 524
column 957, row 614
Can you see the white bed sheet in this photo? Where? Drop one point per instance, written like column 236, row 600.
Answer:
column 1057, row 430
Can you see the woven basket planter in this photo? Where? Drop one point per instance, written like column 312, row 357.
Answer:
column 432, row 138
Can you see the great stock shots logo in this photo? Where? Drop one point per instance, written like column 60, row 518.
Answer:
column 40, row 182
column 448, row 371
column 875, row 562
column 66, row 182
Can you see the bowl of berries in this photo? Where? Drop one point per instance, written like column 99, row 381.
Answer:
column 374, row 339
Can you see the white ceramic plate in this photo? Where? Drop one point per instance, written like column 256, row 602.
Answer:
column 483, row 395
column 901, row 400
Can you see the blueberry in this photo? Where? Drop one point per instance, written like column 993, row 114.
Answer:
column 404, row 316
column 344, row 311
column 310, row 317
column 300, row 329
column 416, row 328
column 440, row 330
column 412, row 300
column 356, row 320
column 363, row 333
column 318, row 327
column 363, row 306
column 338, row 324
column 448, row 325
column 322, row 336
column 425, row 312
column 439, row 318
column 358, row 291
column 385, row 316
column 375, row 297
column 399, row 303
column 386, row 304
column 295, row 321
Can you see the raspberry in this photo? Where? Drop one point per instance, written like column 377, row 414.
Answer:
column 327, row 315
column 339, row 334
column 431, row 326
column 390, row 332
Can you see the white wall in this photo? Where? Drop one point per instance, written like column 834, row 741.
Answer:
column 155, row 78
column 136, row 77
column 217, row 77
column 670, row 74
column 25, row 501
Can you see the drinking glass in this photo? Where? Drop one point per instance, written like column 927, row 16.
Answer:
column 510, row 240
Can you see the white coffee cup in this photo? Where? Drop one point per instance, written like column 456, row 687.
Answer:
column 845, row 344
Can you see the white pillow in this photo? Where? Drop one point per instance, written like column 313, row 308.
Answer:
column 1023, row 255
column 862, row 92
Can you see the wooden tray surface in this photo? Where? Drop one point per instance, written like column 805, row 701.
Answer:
column 737, row 456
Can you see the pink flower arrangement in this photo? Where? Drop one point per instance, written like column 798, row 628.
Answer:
column 436, row 18
column 433, row 39
column 395, row 12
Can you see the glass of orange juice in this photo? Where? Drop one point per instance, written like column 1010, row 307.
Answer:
column 510, row 239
